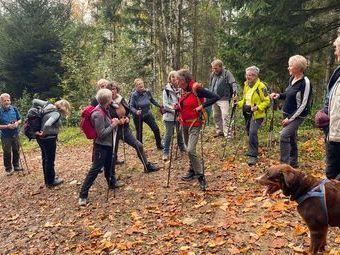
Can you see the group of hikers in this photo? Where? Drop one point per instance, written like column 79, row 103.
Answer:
column 183, row 110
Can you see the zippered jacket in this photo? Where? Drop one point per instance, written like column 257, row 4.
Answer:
column 297, row 98
column 223, row 84
column 259, row 97
column 171, row 96
column 334, row 109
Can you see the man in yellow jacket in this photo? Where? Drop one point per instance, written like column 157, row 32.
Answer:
column 254, row 103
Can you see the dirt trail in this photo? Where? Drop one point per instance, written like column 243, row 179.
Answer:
column 145, row 217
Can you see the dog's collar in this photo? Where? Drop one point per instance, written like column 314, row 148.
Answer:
column 318, row 191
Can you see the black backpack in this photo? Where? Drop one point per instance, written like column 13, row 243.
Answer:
column 33, row 121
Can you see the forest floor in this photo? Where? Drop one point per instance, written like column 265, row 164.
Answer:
column 146, row 217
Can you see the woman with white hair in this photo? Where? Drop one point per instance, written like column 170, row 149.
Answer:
column 102, row 148
column 254, row 103
column 295, row 109
column 331, row 107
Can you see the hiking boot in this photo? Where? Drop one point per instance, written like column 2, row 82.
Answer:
column 150, row 168
column 56, row 182
column 160, row 147
column 202, row 182
column 252, row 161
column 82, row 201
column 165, row 157
column 18, row 168
column 182, row 149
column 189, row 176
column 116, row 184
column 9, row 172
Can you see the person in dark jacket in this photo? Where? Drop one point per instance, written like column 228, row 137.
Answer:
column 47, row 136
column 9, row 121
column 332, row 108
column 222, row 83
column 191, row 106
column 106, row 131
column 120, row 109
column 297, row 100
column 141, row 100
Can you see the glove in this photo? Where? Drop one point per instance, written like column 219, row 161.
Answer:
column 162, row 109
column 177, row 107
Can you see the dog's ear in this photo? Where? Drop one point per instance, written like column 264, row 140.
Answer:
column 289, row 178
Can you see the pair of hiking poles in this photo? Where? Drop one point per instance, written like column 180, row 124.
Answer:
column 114, row 142
column 172, row 144
column 232, row 120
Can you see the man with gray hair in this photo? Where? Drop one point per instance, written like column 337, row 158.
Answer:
column 222, row 83
column 9, row 122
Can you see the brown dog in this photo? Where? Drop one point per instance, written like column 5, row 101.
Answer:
column 319, row 205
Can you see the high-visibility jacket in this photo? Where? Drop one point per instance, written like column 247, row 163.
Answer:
column 259, row 97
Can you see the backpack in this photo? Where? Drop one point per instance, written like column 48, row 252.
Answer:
column 85, row 121
column 33, row 120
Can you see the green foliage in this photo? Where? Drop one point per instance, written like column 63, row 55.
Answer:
column 30, row 46
column 267, row 33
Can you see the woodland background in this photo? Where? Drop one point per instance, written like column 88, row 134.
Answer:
column 60, row 48
column 55, row 49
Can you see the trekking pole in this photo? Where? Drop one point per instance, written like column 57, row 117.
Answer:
column 228, row 129
column 140, row 127
column 114, row 139
column 24, row 156
column 242, row 134
column 202, row 152
column 123, row 136
column 271, row 127
column 171, row 148
column 178, row 130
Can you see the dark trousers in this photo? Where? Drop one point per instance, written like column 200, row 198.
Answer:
column 288, row 143
column 102, row 158
column 48, row 148
column 333, row 160
column 10, row 145
column 254, row 126
column 151, row 122
column 128, row 137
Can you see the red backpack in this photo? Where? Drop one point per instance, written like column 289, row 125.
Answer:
column 85, row 121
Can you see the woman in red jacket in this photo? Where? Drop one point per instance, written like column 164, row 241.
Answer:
column 191, row 105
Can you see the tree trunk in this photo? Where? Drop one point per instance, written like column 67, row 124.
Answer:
column 177, row 61
column 194, row 44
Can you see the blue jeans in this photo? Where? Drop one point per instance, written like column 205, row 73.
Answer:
column 169, row 133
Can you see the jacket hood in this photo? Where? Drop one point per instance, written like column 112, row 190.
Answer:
column 117, row 101
column 169, row 87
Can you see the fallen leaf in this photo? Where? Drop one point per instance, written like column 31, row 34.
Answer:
column 279, row 243
column 189, row 221
column 300, row 230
